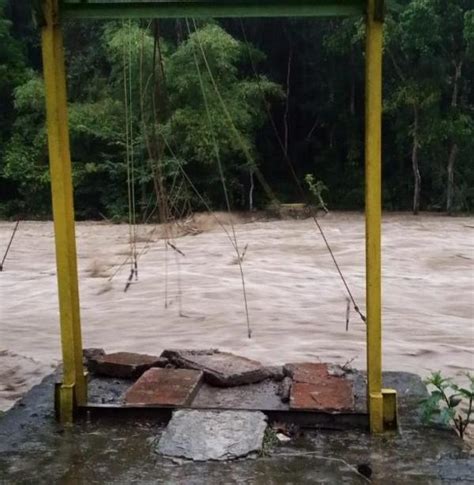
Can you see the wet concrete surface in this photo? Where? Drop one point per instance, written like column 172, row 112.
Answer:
column 263, row 395
column 36, row 449
column 260, row 396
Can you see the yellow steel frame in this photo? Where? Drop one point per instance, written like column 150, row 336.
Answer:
column 73, row 390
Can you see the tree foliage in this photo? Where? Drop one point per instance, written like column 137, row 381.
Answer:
column 258, row 94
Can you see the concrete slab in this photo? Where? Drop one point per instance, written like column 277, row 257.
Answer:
column 315, row 388
column 220, row 368
column 259, row 396
column 213, row 435
column 165, row 387
column 125, row 365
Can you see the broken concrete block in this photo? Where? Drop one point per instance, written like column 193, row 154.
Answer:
column 91, row 353
column 337, row 370
column 220, row 368
column 277, row 372
column 125, row 365
column 283, row 438
column 213, row 435
column 284, row 389
column 165, row 387
column 314, row 388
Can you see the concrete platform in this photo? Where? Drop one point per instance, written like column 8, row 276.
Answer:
column 34, row 448
column 306, row 387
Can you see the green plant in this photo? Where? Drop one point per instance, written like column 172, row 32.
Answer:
column 446, row 402
column 316, row 187
column 270, row 440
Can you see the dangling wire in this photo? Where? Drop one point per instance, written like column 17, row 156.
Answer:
column 221, row 175
column 2, row 263
column 292, row 170
column 159, row 202
column 132, row 152
column 130, row 162
column 231, row 123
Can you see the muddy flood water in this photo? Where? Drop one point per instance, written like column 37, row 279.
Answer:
column 296, row 301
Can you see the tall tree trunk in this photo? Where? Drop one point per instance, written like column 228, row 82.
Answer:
column 159, row 105
column 353, row 84
column 457, row 77
column 287, row 105
column 252, row 187
column 178, row 28
column 450, row 188
column 453, row 152
column 414, row 160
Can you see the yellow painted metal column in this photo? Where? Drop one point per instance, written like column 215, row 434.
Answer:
column 373, row 213
column 73, row 390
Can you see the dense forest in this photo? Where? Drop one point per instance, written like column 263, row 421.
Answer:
column 162, row 112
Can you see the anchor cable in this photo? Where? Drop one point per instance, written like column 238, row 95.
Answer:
column 9, row 245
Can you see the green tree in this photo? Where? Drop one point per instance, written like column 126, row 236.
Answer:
column 206, row 70
column 317, row 124
column 128, row 88
column 427, row 48
column 412, row 38
column 12, row 73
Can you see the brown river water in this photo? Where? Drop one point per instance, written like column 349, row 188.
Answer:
column 296, row 301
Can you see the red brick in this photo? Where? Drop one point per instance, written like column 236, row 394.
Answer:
column 126, row 365
column 165, row 387
column 315, row 389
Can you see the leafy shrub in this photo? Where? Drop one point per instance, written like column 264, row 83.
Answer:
column 446, row 402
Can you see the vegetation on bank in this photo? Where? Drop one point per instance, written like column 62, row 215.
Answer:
column 167, row 101
column 448, row 402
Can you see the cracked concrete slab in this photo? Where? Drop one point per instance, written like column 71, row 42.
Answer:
column 125, row 365
column 220, row 368
column 213, row 435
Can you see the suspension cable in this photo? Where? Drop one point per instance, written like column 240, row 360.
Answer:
column 222, row 178
column 299, row 186
column 132, row 150
column 9, row 244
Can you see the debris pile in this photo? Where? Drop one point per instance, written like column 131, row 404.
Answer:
column 219, row 398
column 214, row 379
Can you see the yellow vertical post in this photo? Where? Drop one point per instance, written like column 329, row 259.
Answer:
column 373, row 213
column 73, row 390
